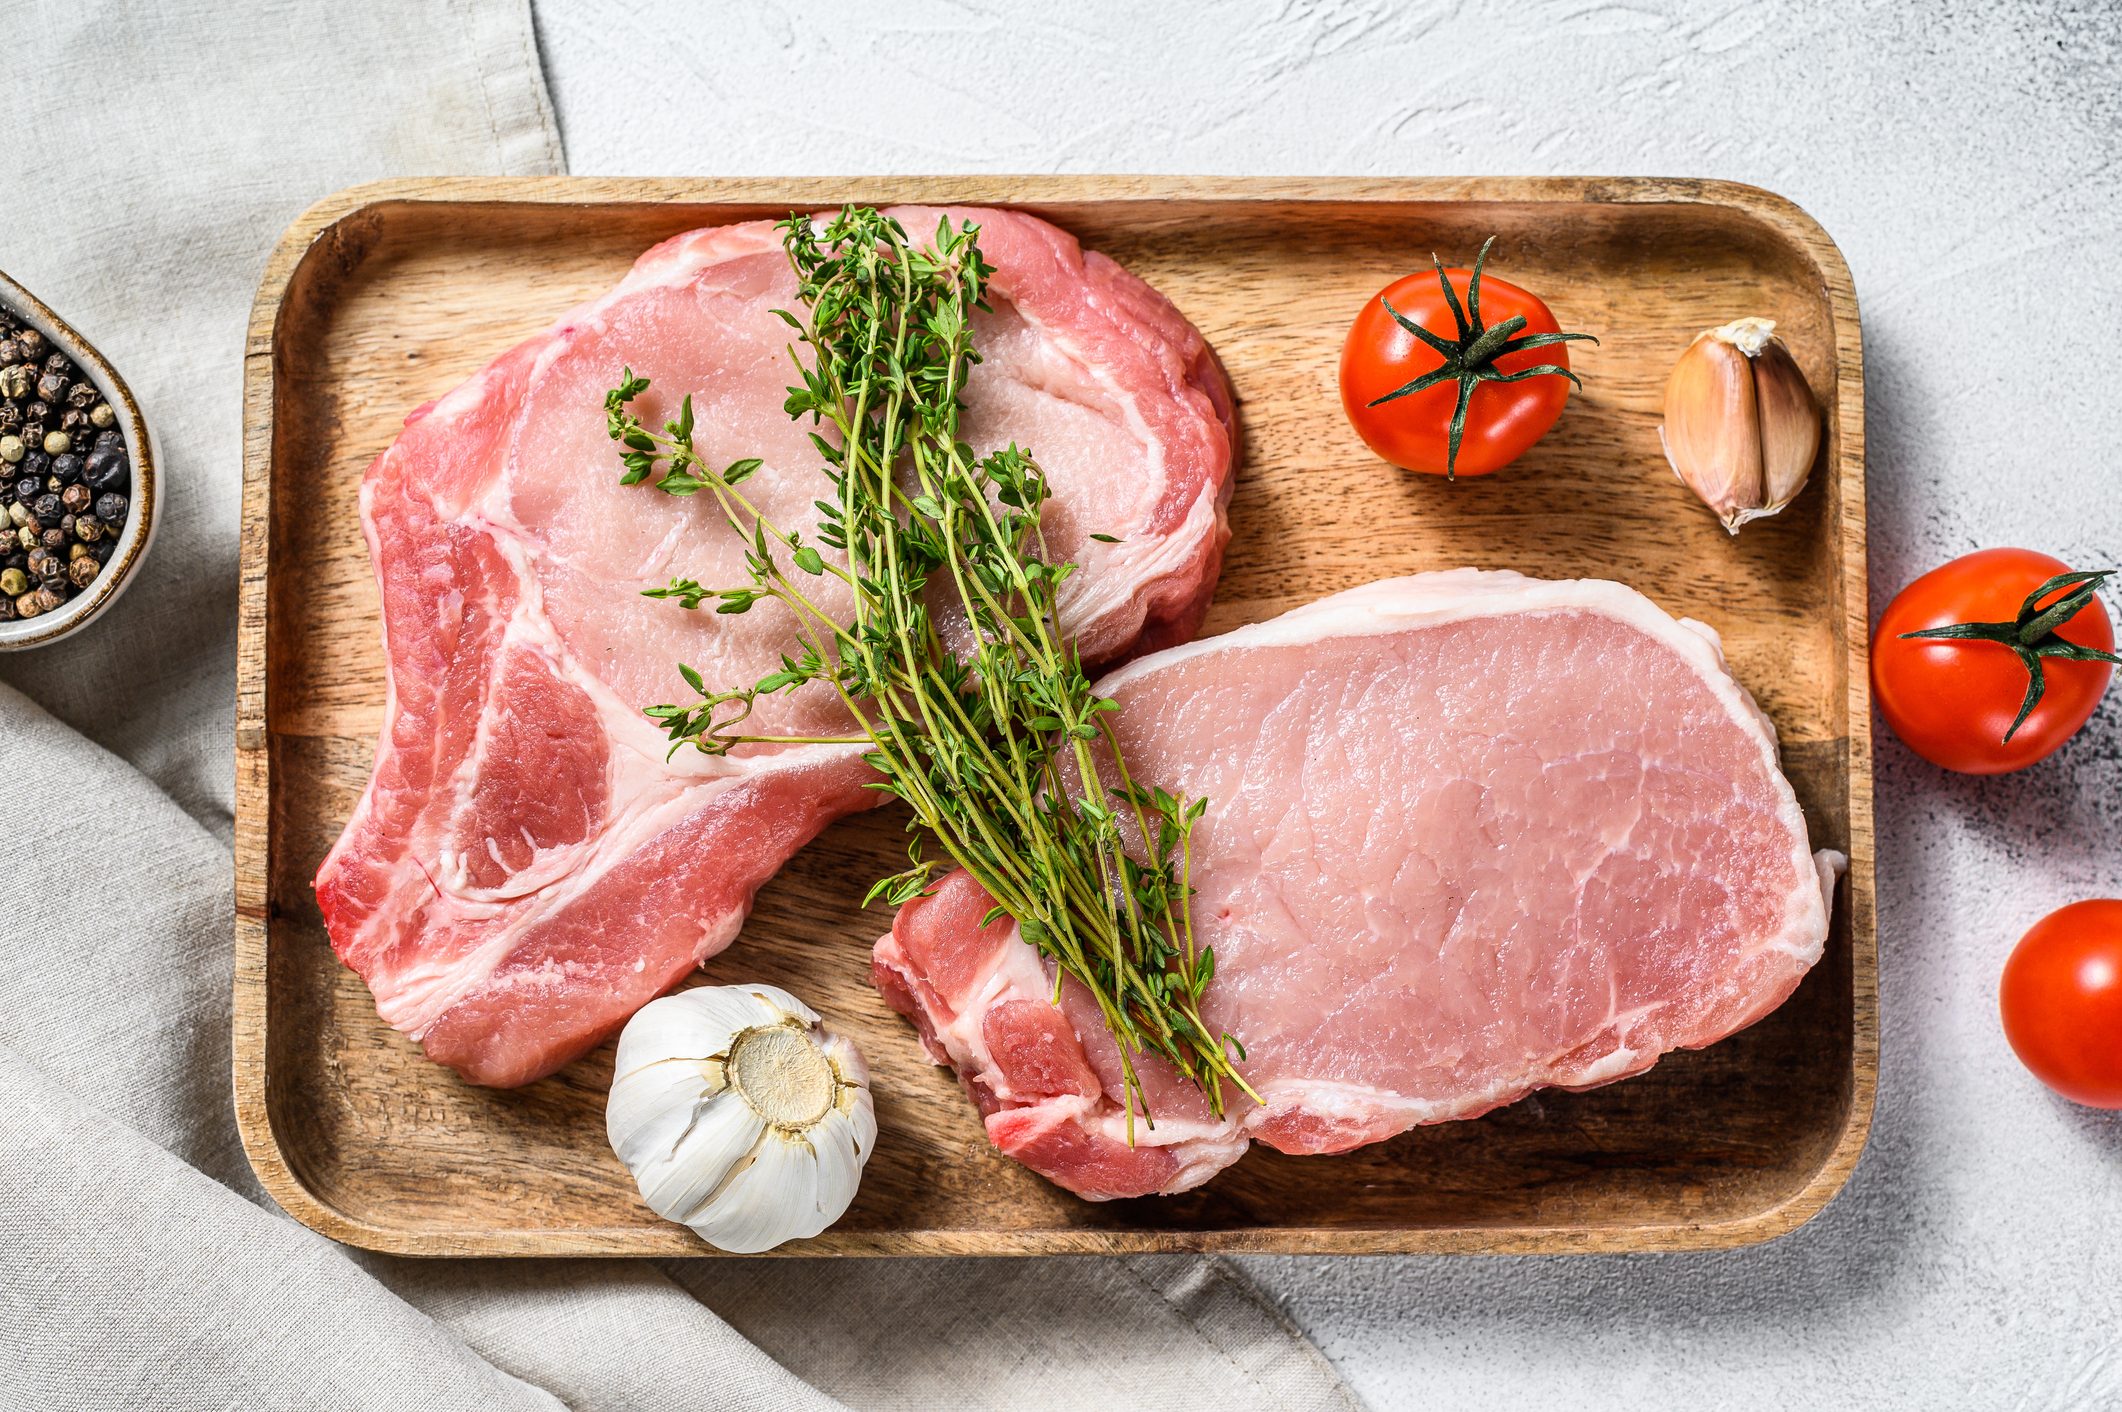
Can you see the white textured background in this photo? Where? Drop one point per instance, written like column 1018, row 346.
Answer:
column 1968, row 160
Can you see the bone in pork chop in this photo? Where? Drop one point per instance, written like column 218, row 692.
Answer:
column 525, row 869
column 1468, row 835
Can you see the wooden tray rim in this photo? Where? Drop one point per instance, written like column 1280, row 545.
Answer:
column 313, row 234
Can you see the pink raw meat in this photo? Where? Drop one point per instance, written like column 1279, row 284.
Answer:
column 525, row 870
column 1468, row 835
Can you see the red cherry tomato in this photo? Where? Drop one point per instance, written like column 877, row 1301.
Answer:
column 2062, row 1002
column 1953, row 700
column 1502, row 420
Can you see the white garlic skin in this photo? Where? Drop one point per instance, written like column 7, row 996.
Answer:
column 740, row 1115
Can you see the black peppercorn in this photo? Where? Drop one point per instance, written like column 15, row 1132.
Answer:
column 29, row 488
column 66, row 523
column 83, row 571
column 108, row 469
column 7, row 610
column 46, row 565
column 73, row 421
column 87, row 528
column 30, row 342
column 67, row 466
column 76, row 497
column 10, row 351
column 109, row 438
column 56, row 363
column 52, row 386
column 10, row 416
column 103, row 549
column 54, row 539
column 82, row 395
column 110, row 507
column 32, row 432
column 47, row 508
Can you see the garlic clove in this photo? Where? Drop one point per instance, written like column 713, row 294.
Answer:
column 1741, row 426
column 773, row 1197
column 1790, row 425
column 683, row 1177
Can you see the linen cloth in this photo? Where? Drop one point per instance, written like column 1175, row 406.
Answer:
column 139, row 1264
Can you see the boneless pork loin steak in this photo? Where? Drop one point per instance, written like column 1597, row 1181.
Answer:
column 1468, row 835
column 525, row 869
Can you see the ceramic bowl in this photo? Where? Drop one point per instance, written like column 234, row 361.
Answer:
column 83, row 608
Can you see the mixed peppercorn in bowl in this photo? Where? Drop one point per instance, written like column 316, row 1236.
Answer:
column 75, row 488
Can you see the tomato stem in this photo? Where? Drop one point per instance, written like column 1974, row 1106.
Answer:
column 1469, row 359
column 2032, row 635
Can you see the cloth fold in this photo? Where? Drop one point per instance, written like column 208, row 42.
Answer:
column 139, row 1264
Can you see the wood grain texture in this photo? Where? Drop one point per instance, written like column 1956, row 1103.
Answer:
column 385, row 296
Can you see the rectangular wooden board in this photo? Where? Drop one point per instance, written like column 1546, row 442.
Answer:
column 385, row 296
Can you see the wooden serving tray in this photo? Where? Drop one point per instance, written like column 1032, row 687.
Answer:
column 385, row 296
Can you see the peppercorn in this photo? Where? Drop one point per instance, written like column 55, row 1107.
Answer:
column 66, row 526
column 34, row 411
column 82, row 395
column 108, row 469
column 10, row 416
column 73, row 421
column 51, row 387
column 18, row 514
column 66, row 466
column 46, row 565
column 57, row 442
column 101, row 415
column 28, row 538
column 28, row 488
column 88, row 529
column 54, row 539
column 83, row 571
column 16, row 381
column 102, row 549
column 110, row 507
column 7, row 610
column 11, row 449
column 31, row 343
column 28, row 604
column 47, row 508
column 76, row 497
column 15, row 558
column 75, row 551
column 10, row 351
column 47, row 598
column 105, row 440
column 33, row 431
column 13, row 581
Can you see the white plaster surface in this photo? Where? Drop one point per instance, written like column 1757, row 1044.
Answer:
column 1968, row 160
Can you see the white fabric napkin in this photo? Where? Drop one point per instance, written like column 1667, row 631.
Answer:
column 139, row 1265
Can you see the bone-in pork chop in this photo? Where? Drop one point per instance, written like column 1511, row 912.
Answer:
column 1468, row 835
column 525, row 869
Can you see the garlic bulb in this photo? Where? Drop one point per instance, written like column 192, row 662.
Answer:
column 740, row 1115
column 1741, row 427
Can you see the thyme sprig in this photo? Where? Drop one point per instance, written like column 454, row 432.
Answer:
column 1006, row 756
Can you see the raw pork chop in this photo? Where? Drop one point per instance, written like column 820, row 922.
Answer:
column 1468, row 835
column 525, row 870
